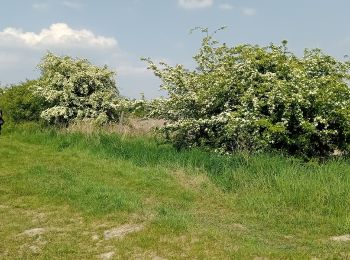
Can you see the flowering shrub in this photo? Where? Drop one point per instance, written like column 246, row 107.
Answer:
column 77, row 90
column 140, row 108
column 257, row 98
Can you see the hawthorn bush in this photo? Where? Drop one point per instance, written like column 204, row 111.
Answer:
column 257, row 98
column 77, row 90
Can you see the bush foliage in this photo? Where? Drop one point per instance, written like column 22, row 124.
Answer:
column 257, row 98
column 77, row 90
column 20, row 102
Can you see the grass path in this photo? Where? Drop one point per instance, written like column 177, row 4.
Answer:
column 89, row 201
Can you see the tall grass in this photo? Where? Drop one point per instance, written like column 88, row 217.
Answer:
column 264, row 183
column 267, row 204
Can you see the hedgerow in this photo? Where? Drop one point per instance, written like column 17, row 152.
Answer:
column 256, row 98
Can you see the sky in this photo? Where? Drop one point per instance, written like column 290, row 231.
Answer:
column 119, row 32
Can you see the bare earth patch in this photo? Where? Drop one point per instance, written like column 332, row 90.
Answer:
column 122, row 231
column 35, row 249
column 34, row 232
column 158, row 258
column 36, row 245
column 106, row 256
column 239, row 226
column 343, row 238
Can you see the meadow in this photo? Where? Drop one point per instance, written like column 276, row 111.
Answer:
column 73, row 195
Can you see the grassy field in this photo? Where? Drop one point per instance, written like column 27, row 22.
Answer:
column 76, row 196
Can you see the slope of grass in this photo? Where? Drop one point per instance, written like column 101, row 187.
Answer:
column 72, row 189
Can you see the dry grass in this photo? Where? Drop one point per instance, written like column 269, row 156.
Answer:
column 130, row 127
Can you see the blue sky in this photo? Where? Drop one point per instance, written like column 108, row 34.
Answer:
column 119, row 32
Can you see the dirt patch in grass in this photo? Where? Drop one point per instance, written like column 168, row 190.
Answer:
column 343, row 238
column 106, row 256
column 120, row 232
column 34, row 232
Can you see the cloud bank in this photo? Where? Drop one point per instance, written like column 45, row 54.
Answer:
column 21, row 51
column 58, row 35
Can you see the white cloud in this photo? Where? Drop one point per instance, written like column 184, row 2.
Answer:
column 72, row 4
column 195, row 4
column 249, row 11
column 57, row 35
column 42, row 7
column 225, row 7
column 21, row 51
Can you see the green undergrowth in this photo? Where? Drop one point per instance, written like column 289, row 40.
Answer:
column 191, row 203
